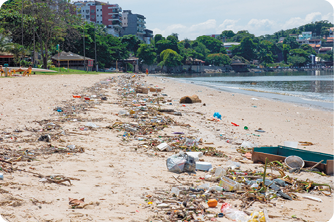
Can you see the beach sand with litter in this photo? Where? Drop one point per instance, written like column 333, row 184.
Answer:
column 114, row 177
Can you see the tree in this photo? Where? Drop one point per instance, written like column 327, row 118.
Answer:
column 157, row 38
column 308, row 49
column 170, row 58
column 146, row 54
column 246, row 48
column 48, row 19
column 218, row 58
column 212, row 44
column 175, row 35
column 200, row 49
column 108, row 48
column 5, row 44
column 228, row 33
column 132, row 43
column 286, row 50
column 291, row 41
column 299, row 57
column 264, row 52
column 242, row 34
column 297, row 60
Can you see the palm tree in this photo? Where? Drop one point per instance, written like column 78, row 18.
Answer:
column 5, row 44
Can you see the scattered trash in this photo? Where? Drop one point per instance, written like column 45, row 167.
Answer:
column 204, row 166
column 217, row 115
column 45, row 138
column 234, row 124
column 164, row 146
column 93, row 125
column 181, row 162
column 294, row 162
column 313, row 198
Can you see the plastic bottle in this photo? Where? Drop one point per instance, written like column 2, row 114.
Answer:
column 233, row 214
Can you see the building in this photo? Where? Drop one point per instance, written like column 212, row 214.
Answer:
column 134, row 24
column 305, row 36
column 331, row 32
column 101, row 13
column 71, row 60
column 148, row 36
column 281, row 39
column 228, row 45
column 6, row 58
column 324, row 50
column 294, row 35
column 315, row 41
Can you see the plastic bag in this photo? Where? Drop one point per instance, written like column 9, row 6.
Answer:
column 181, row 163
column 235, row 215
column 217, row 115
column 233, row 165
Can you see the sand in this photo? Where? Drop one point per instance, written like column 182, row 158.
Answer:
column 114, row 176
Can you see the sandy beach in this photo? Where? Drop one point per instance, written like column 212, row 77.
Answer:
column 116, row 174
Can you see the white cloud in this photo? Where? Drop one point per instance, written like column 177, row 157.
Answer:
column 254, row 26
column 331, row 1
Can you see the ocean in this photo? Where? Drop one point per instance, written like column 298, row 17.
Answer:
column 312, row 89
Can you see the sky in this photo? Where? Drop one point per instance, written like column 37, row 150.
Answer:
column 193, row 18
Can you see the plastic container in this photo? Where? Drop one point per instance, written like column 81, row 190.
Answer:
column 229, row 185
column 220, row 171
column 205, row 166
column 196, row 155
column 235, row 215
column 164, row 146
column 175, row 191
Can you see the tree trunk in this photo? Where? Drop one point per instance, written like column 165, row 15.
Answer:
column 45, row 57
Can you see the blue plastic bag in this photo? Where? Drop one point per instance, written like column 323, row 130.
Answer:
column 217, row 115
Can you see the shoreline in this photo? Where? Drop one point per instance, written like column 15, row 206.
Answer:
column 116, row 172
column 283, row 97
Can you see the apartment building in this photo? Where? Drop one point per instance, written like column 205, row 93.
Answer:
column 134, row 24
column 101, row 13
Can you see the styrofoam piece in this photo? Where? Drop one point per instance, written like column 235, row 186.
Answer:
column 164, row 146
column 205, row 166
column 291, row 144
column 196, row 155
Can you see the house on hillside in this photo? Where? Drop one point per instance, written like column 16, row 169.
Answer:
column 324, row 50
column 71, row 60
column 315, row 47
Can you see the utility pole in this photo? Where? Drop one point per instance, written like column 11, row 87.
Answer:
column 96, row 65
column 84, row 48
column 22, row 30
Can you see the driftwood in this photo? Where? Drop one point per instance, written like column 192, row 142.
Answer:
column 190, row 99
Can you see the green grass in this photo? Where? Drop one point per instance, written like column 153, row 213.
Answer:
column 64, row 71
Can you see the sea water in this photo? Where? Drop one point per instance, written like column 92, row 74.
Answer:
column 314, row 88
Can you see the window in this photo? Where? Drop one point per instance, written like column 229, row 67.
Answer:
column 92, row 11
column 97, row 15
column 87, row 16
column 87, row 11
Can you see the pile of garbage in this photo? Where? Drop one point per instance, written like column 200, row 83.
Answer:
column 195, row 196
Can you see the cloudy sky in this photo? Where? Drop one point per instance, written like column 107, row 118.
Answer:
column 192, row 18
